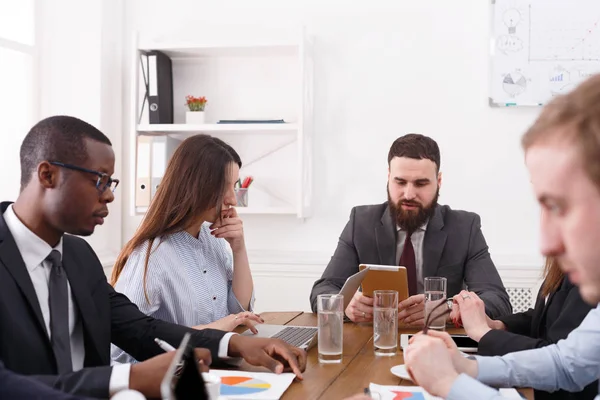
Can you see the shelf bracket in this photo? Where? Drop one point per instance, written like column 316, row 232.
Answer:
column 270, row 193
column 268, row 153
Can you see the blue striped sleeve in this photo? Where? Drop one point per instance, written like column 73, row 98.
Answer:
column 131, row 280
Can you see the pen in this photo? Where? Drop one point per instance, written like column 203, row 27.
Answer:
column 164, row 345
column 247, row 182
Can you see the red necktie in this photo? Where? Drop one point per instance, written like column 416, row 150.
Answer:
column 407, row 259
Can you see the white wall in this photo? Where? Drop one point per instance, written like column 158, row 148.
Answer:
column 381, row 70
column 18, row 84
column 79, row 74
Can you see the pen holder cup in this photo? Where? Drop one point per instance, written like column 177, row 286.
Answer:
column 241, row 196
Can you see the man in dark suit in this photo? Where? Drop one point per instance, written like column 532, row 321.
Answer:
column 412, row 230
column 13, row 386
column 58, row 314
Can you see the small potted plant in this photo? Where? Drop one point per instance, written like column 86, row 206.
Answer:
column 195, row 105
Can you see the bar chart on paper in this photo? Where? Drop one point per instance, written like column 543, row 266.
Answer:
column 541, row 49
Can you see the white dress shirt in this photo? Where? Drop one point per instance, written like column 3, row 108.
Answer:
column 34, row 251
column 417, row 241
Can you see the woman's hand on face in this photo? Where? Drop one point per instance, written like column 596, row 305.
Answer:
column 230, row 228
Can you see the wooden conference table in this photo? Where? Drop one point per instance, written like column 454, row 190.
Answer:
column 358, row 368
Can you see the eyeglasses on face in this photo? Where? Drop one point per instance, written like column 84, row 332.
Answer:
column 104, row 181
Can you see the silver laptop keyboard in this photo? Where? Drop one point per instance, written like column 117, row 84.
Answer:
column 296, row 336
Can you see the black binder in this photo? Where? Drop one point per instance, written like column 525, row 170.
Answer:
column 160, row 88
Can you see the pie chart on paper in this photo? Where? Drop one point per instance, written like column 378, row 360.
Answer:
column 242, row 385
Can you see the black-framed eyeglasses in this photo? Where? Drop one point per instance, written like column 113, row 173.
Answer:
column 104, row 180
column 436, row 313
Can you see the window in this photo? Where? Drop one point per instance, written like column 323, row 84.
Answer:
column 18, row 104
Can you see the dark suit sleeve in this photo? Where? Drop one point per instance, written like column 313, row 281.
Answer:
column 482, row 277
column 134, row 331
column 13, row 386
column 519, row 323
column 93, row 382
column 574, row 310
column 342, row 265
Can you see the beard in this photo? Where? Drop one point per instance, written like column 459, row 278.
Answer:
column 411, row 220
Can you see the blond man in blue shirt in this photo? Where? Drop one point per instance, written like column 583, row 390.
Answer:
column 562, row 154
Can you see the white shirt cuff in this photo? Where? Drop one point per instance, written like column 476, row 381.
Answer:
column 224, row 350
column 224, row 345
column 119, row 378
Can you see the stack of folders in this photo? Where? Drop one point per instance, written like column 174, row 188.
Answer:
column 251, row 121
column 153, row 154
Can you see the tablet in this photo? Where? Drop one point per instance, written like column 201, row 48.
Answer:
column 384, row 277
column 183, row 379
column 351, row 286
column 463, row 342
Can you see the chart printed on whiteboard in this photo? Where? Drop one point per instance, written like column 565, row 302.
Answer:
column 541, row 49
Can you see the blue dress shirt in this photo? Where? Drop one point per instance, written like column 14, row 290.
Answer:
column 570, row 364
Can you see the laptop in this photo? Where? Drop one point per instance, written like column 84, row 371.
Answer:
column 305, row 337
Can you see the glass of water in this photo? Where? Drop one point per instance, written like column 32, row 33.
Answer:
column 330, row 313
column 435, row 293
column 385, row 322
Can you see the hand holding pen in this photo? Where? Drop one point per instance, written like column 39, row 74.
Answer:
column 164, row 345
column 203, row 356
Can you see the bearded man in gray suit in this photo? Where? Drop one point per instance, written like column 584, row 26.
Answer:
column 411, row 229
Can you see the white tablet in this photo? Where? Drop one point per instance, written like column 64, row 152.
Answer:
column 351, row 286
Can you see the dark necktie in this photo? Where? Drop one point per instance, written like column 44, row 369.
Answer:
column 59, row 314
column 407, row 259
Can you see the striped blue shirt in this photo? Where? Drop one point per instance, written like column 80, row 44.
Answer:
column 189, row 281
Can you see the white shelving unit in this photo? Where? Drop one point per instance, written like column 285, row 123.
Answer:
column 183, row 131
column 242, row 78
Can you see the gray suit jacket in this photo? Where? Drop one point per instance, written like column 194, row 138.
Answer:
column 453, row 247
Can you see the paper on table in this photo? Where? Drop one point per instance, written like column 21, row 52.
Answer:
column 252, row 385
column 401, row 392
column 417, row 393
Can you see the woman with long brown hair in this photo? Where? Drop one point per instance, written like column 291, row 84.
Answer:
column 187, row 261
column 559, row 309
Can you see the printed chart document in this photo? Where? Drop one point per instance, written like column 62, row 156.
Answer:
column 253, row 385
column 417, row 393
